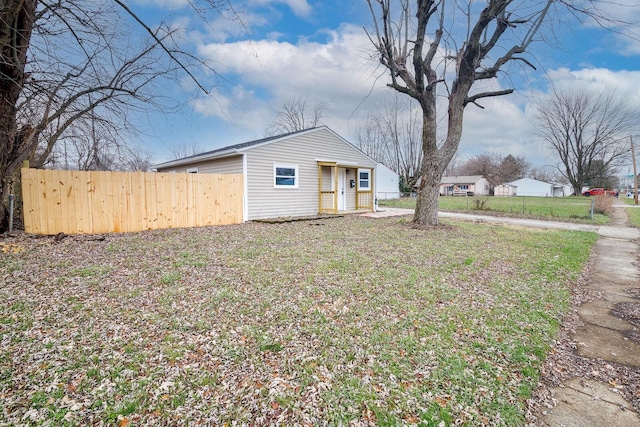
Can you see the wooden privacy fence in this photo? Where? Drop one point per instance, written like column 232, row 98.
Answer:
column 73, row 202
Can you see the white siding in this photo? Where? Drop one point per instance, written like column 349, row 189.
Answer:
column 387, row 183
column 224, row 165
column 304, row 150
column 482, row 187
column 533, row 187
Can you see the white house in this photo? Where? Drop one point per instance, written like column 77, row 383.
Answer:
column 298, row 174
column 533, row 187
column 387, row 183
column 474, row 185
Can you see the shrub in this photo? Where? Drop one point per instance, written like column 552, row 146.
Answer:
column 479, row 205
column 603, row 204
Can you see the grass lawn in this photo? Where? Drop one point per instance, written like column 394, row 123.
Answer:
column 559, row 208
column 633, row 211
column 338, row 321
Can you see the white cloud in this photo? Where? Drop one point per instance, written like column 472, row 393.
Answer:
column 299, row 7
column 599, row 79
column 503, row 127
column 337, row 72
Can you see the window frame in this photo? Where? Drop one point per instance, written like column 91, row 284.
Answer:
column 368, row 187
column 296, row 176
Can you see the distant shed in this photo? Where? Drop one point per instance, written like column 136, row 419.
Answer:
column 505, row 190
column 533, row 187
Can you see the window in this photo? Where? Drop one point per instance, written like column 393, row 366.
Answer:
column 364, row 178
column 285, row 176
column 463, row 187
column 192, row 170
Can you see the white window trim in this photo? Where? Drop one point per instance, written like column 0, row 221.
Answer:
column 288, row 166
column 368, row 188
column 192, row 170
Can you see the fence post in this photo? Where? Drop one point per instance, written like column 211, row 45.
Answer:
column 593, row 204
column 11, row 197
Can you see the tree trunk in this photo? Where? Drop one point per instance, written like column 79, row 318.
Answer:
column 15, row 33
column 428, row 193
column 434, row 162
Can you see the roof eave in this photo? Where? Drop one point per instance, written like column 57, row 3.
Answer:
column 196, row 159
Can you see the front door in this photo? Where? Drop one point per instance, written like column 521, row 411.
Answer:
column 342, row 189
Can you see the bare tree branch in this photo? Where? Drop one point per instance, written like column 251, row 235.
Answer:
column 296, row 114
column 159, row 40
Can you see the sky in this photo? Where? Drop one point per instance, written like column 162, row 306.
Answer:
column 267, row 51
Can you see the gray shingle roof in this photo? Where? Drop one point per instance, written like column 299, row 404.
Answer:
column 229, row 149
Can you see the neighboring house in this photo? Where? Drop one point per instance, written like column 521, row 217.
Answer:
column 533, row 187
column 387, row 183
column 505, row 190
column 474, row 185
column 298, row 174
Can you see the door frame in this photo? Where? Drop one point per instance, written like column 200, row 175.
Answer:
column 342, row 189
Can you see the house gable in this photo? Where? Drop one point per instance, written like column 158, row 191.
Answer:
column 304, row 151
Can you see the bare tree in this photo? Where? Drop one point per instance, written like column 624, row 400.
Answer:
column 62, row 61
column 296, row 114
column 392, row 135
column 137, row 161
column 495, row 168
column 546, row 173
column 456, row 50
column 588, row 132
column 372, row 142
column 486, row 164
column 185, row 149
column 93, row 143
column 512, row 168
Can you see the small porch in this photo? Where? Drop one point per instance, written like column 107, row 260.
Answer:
column 344, row 188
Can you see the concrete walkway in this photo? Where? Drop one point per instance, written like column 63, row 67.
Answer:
column 610, row 332
column 611, row 324
column 389, row 212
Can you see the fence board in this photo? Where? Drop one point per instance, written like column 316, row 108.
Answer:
column 75, row 202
